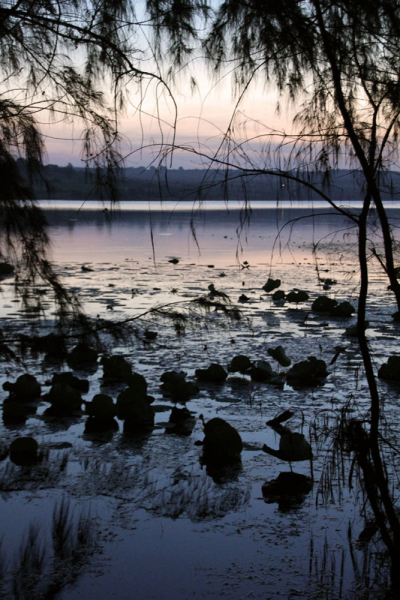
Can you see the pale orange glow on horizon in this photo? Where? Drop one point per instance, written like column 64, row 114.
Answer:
column 202, row 119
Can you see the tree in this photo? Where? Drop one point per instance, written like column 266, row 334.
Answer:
column 339, row 64
column 337, row 61
column 66, row 60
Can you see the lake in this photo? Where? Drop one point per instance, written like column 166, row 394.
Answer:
column 153, row 521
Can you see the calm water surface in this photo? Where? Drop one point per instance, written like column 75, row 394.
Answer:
column 164, row 528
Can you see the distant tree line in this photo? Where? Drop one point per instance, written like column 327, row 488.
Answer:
column 69, row 183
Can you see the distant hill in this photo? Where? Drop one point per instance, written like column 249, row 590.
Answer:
column 71, row 183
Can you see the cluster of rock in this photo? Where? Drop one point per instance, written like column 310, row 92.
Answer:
column 310, row 372
column 322, row 304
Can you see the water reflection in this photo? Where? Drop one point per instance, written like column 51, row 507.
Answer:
column 91, row 233
column 47, row 562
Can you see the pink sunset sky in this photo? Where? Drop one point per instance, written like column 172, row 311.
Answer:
column 202, row 118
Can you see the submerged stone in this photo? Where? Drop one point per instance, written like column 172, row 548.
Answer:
column 261, row 371
column 138, row 382
column 307, row 372
column 344, row 310
column 390, row 371
column 222, row 442
column 100, row 425
column 101, row 407
column 181, row 421
column 279, row 355
column 352, row 331
column 52, row 344
column 81, row 356
column 278, row 296
column 64, row 399
column 213, row 374
column 24, row 451
column 271, row 285
column 171, row 378
column 288, row 490
column 25, row 389
column 6, row 269
column 14, row 412
column 239, row 364
column 116, row 367
column 297, row 296
column 135, row 410
column 323, row 304
column 82, row 385
column 150, row 335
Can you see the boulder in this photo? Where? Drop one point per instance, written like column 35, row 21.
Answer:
column 138, row 383
column 239, row 364
column 82, row 356
column 135, row 410
column 271, row 285
column 278, row 296
column 307, row 372
column 24, row 451
column 297, row 296
column 64, row 399
column 352, row 331
column 171, row 378
column 261, row 371
column 14, row 412
column 243, row 299
column 343, row 310
column 279, row 355
column 213, row 374
column 101, row 407
column 175, row 386
column 183, row 391
column 52, row 344
column 288, row 490
column 6, row 269
column 390, row 371
column 222, row 443
column 25, row 389
column 150, row 335
column 116, row 367
column 82, row 385
column 95, row 425
column 323, row 304
column 181, row 421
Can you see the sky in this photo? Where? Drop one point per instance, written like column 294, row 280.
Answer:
column 202, row 118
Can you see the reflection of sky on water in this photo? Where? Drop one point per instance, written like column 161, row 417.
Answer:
column 92, row 235
column 167, row 529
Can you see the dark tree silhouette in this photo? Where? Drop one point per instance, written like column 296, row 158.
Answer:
column 339, row 64
column 67, row 60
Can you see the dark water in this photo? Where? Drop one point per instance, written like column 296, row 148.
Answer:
column 161, row 526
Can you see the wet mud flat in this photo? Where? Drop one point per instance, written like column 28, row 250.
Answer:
column 122, row 514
